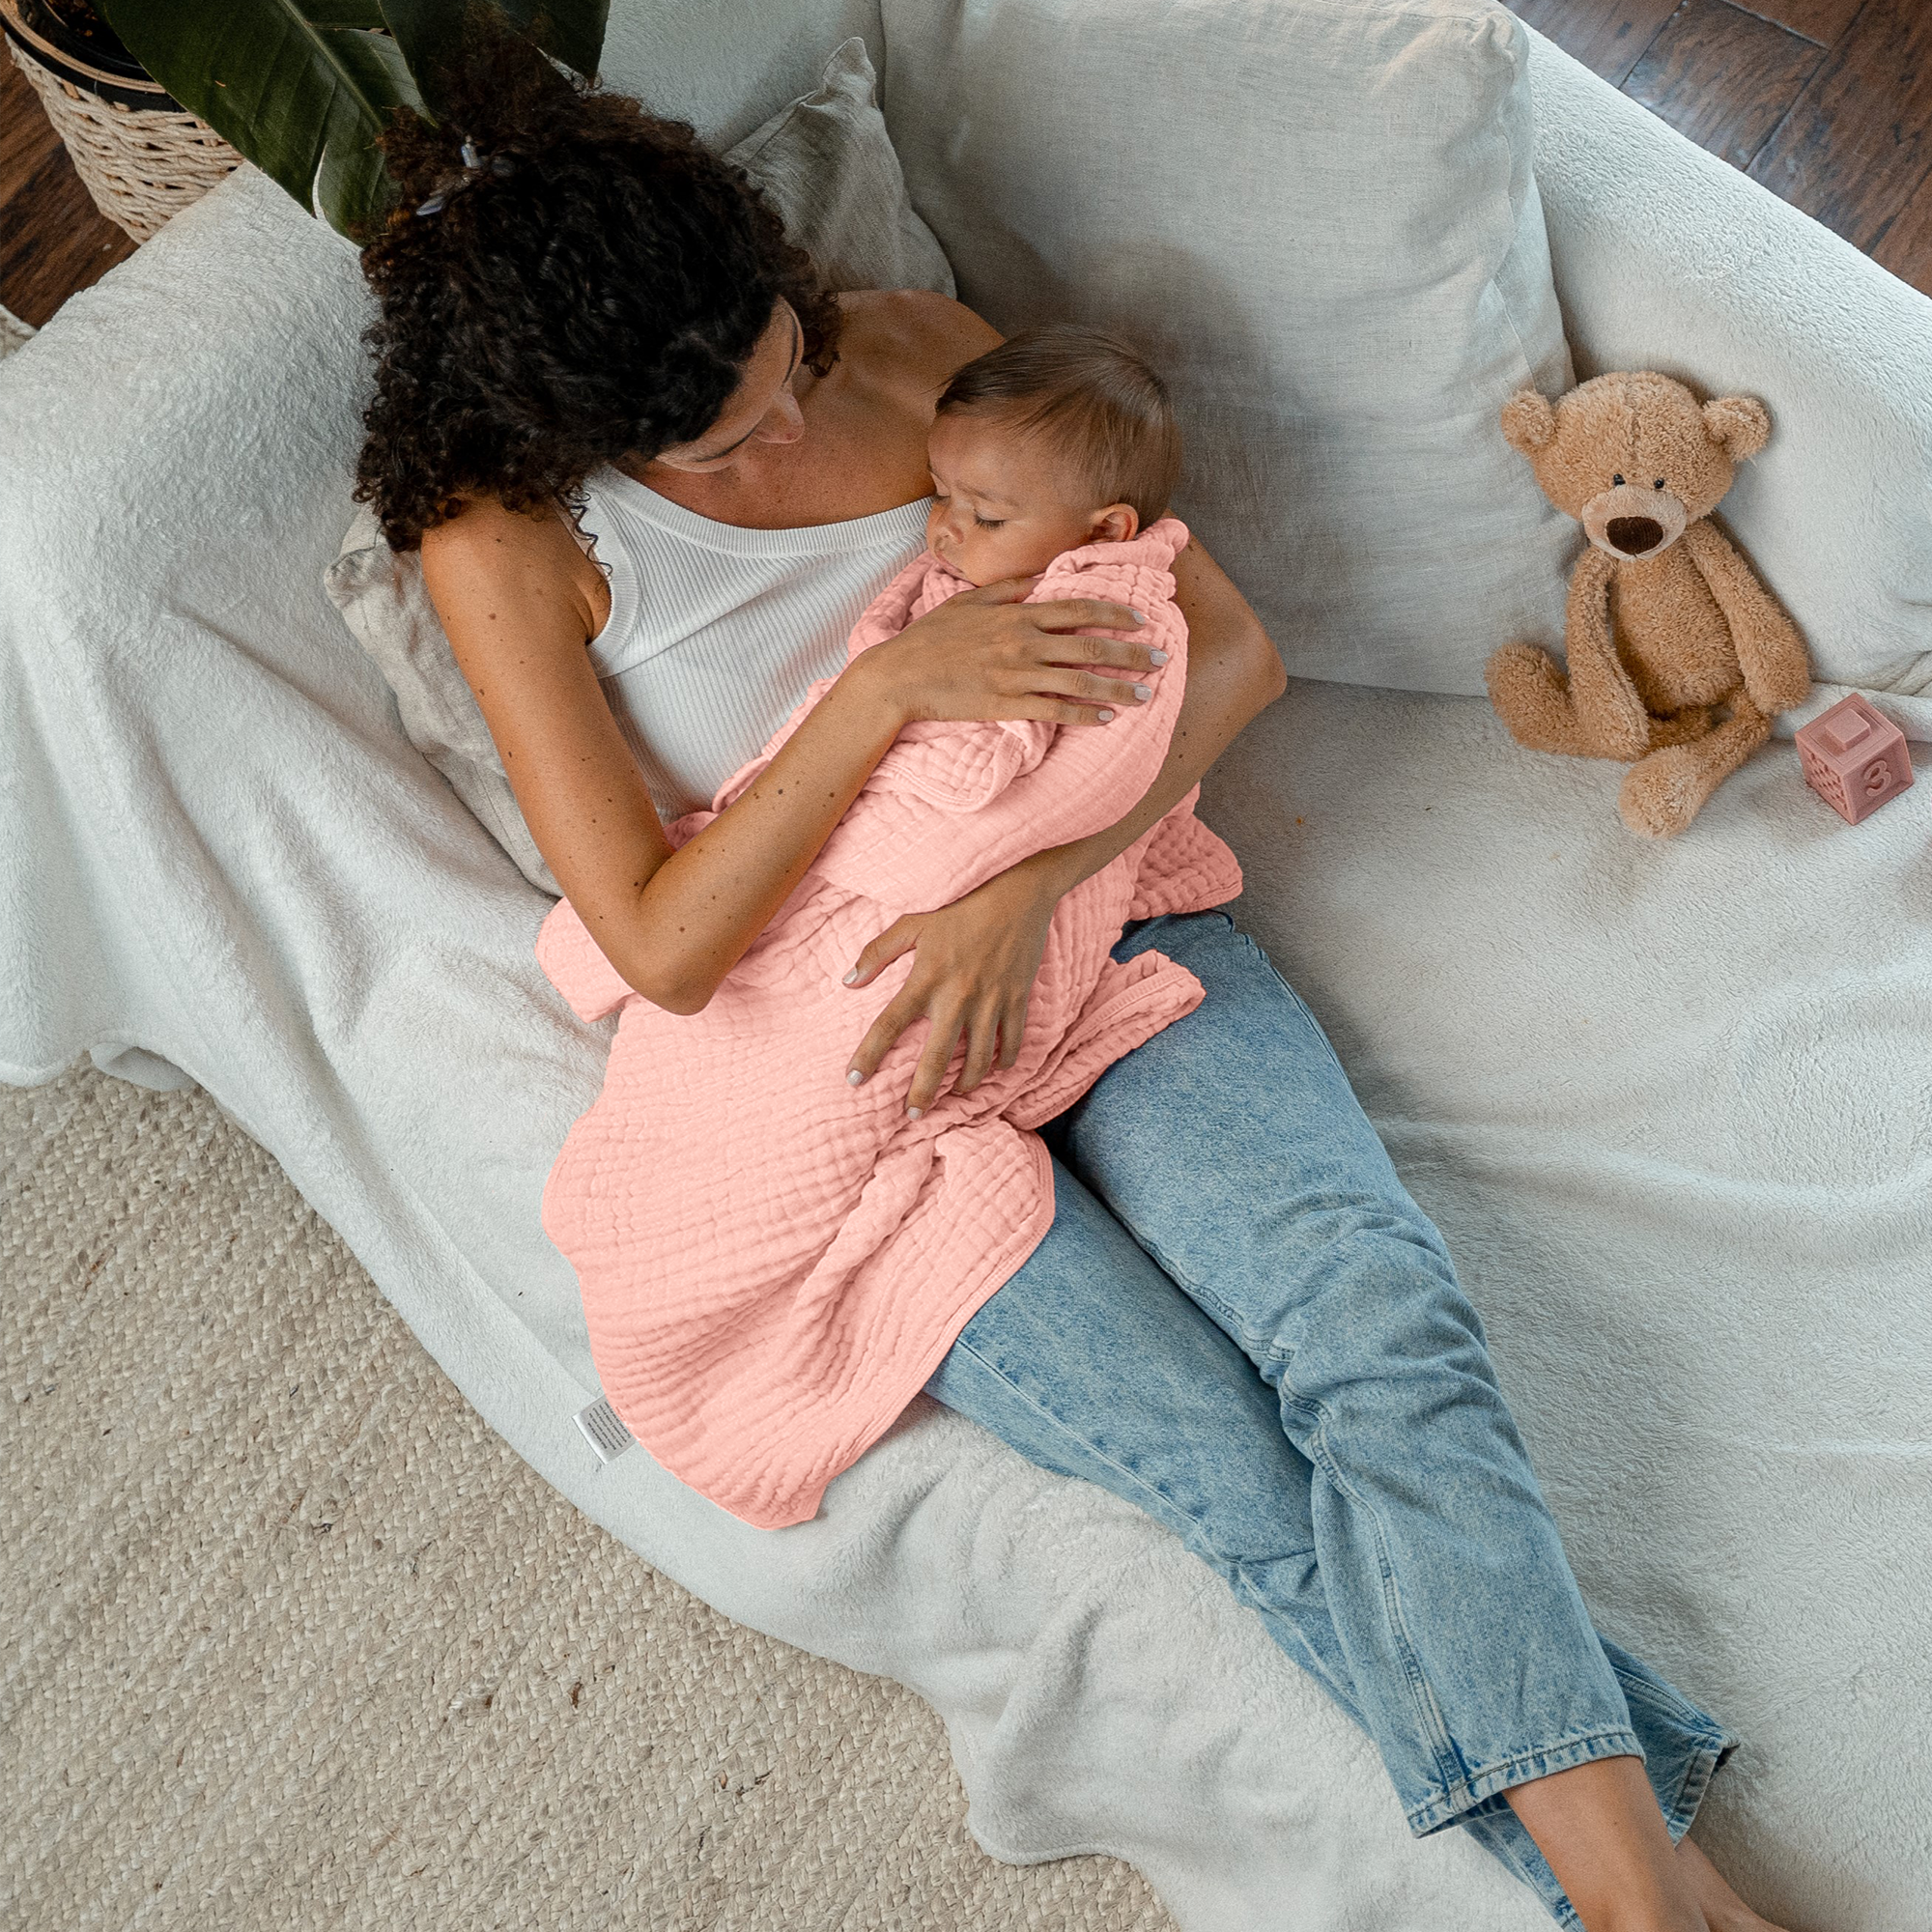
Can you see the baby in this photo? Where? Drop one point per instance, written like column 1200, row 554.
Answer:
column 1061, row 437
column 1052, row 458
column 761, row 1321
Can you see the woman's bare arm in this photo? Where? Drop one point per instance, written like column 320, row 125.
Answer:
column 515, row 602
column 518, row 601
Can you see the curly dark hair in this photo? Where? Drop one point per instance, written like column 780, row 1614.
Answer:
column 594, row 290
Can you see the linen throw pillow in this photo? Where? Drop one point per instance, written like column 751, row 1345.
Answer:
column 1319, row 219
column 828, row 166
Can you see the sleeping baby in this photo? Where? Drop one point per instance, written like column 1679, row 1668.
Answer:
column 1061, row 437
column 760, row 1325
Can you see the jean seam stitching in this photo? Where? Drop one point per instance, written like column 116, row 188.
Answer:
column 1321, row 1033
column 1443, row 1807
column 1428, row 1707
column 1696, row 1783
column 1225, row 1318
column 1708, row 1742
column 1667, row 1702
column 1074, row 1434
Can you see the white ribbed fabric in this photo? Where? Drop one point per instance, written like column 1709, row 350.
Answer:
column 715, row 632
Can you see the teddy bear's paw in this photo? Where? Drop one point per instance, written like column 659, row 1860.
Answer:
column 1663, row 793
column 1531, row 695
column 1784, row 688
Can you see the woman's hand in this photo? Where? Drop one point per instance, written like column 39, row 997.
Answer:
column 985, row 655
column 976, row 961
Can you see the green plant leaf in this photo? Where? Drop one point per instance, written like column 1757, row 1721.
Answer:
column 571, row 30
column 353, row 188
column 300, row 87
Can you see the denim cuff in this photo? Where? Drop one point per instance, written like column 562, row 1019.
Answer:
column 1480, row 1790
column 1684, row 1746
column 1702, row 1762
column 1496, row 1827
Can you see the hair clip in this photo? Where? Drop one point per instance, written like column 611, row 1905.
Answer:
column 474, row 163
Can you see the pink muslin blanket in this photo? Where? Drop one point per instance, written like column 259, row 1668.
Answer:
column 773, row 1261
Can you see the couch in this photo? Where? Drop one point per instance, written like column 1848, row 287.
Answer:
column 1668, row 1102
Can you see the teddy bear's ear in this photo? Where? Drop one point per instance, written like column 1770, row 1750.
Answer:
column 1529, row 422
column 1742, row 424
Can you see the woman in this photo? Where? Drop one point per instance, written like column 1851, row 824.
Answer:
column 1239, row 1318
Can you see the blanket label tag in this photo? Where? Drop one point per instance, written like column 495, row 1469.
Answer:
column 603, row 1431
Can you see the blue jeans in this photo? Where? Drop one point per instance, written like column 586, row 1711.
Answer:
column 1240, row 1322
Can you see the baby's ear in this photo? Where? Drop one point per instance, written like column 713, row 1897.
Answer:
column 1117, row 523
column 1529, row 422
column 1742, row 424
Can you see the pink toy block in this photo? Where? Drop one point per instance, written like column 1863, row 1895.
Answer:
column 1854, row 757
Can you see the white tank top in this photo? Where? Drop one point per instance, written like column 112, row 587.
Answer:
column 715, row 632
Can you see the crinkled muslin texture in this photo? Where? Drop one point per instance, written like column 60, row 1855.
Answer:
column 773, row 1261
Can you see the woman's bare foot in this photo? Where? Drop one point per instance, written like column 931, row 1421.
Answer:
column 1599, row 1826
column 1722, row 1909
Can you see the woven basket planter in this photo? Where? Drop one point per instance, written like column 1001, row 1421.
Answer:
column 139, row 154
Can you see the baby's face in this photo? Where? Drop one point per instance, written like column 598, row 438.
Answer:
column 1000, row 504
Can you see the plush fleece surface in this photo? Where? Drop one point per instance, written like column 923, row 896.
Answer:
column 773, row 1261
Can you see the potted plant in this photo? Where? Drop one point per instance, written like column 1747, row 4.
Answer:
column 138, row 152
column 303, row 88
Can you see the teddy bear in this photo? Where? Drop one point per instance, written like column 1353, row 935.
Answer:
column 1667, row 625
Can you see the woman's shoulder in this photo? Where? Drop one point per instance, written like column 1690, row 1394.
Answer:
column 483, row 532
column 486, row 545
column 910, row 340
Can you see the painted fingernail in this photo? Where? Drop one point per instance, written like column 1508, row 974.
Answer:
column 1158, row 657
column 1140, row 616
column 1143, row 691
column 851, row 976
column 853, row 1078
column 1104, row 715
column 915, row 1112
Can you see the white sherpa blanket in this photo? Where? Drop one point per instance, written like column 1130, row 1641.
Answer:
column 1668, row 1103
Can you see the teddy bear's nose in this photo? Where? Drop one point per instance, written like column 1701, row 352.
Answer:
column 1633, row 536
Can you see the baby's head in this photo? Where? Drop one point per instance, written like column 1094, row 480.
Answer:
column 1062, row 436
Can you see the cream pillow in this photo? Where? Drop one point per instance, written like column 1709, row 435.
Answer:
column 828, row 166
column 1318, row 217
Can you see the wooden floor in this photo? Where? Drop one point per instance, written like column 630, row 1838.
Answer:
column 52, row 238
column 1826, row 103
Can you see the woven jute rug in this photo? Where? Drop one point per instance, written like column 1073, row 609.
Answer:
column 293, row 1641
